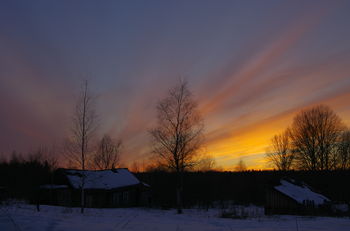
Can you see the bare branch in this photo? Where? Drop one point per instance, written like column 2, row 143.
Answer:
column 179, row 133
column 107, row 154
column 280, row 154
column 314, row 134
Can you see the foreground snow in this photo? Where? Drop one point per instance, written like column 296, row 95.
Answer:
column 24, row 217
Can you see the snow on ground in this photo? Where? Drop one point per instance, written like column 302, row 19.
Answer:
column 25, row 218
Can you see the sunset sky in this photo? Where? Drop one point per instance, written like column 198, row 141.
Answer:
column 251, row 66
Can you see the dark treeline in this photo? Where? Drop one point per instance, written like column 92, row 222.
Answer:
column 206, row 189
column 21, row 177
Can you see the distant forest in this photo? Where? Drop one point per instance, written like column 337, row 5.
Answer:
column 206, row 189
column 21, row 179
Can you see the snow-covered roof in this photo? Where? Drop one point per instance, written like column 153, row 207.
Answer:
column 300, row 193
column 105, row 179
column 53, row 186
column 145, row 184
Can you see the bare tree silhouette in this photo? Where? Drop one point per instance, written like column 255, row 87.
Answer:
column 241, row 166
column 314, row 133
column 179, row 133
column 280, row 153
column 205, row 163
column 78, row 145
column 343, row 156
column 107, row 154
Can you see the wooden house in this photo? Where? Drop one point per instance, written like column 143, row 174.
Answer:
column 103, row 189
column 291, row 197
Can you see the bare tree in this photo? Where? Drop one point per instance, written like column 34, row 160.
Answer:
column 344, row 151
column 135, row 167
column 16, row 157
column 280, row 153
column 178, row 134
column 84, row 125
column 107, row 154
column 314, row 133
column 241, row 166
column 155, row 164
column 47, row 156
column 205, row 163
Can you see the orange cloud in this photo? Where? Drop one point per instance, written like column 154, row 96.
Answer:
column 263, row 60
column 250, row 142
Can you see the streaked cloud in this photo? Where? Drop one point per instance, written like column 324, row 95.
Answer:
column 251, row 65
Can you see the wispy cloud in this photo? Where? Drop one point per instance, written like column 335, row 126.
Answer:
column 250, row 68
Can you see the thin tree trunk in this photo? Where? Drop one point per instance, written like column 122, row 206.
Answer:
column 179, row 192
column 82, row 202
column 179, row 199
column 83, row 143
column 82, row 199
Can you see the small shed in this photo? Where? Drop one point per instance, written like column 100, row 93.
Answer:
column 103, row 189
column 292, row 197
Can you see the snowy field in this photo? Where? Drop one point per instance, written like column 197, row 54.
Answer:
column 21, row 217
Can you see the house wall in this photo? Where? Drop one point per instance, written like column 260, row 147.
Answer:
column 278, row 203
column 145, row 197
column 122, row 197
column 64, row 197
column 61, row 197
column 135, row 195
